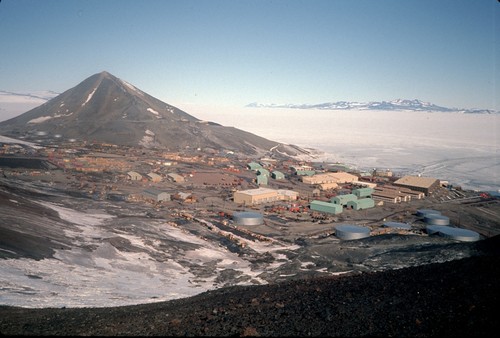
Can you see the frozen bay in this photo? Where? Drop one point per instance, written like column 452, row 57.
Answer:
column 458, row 147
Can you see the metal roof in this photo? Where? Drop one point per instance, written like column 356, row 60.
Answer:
column 434, row 219
column 248, row 218
column 348, row 231
column 425, row 212
column 417, row 181
column 258, row 191
column 458, row 234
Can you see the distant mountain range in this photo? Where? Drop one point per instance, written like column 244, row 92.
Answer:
column 106, row 109
column 396, row 105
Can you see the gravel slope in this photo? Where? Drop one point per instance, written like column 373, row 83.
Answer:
column 457, row 298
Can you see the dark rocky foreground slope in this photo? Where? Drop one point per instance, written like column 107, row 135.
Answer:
column 457, row 298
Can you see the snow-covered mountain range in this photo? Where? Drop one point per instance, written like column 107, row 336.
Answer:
column 399, row 104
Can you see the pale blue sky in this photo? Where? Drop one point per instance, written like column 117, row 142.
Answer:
column 233, row 52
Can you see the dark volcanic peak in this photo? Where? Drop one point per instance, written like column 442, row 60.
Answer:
column 104, row 108
column 397, row 105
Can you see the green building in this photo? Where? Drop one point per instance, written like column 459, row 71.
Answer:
column 305, row 172
column 262, row 179
column 264, row 172
column 363, row 203
column 278, row 175
column 325, row 207
column 363, row 192
column 254, row 166
column 343, row 199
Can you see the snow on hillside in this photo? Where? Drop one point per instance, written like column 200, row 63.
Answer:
column 89, row 97
column 107, row 276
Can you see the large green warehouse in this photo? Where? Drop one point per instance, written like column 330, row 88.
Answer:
column 343, row 199
column 363, row 192
column 325, row 207
column 362, row 203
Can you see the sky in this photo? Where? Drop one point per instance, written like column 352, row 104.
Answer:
column 229, row 53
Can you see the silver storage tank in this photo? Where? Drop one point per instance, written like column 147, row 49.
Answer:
column 459, row 234
column 433, row 219
column 248, row 218
column 425, row 212
column 348, row 232
column 434, row 229
column 463, row 235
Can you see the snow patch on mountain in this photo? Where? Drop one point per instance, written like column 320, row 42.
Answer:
column 148, row 140
column 40, row 119
column 152, row 111
column 46, row 118
column 89, row 97
column 132, row 87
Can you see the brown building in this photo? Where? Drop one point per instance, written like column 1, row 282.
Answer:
column 426, row 185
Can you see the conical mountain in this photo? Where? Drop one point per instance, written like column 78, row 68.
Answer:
column 106, row 109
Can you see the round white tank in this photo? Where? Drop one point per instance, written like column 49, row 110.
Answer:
column 248, row 218
column 425, row 212
column 432, row 229
column 433, row 219
column 458, row 234
column 348, row 232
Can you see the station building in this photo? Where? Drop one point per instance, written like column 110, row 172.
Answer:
column 327, row 207
column 153, row 177
column 338, row 177
column 343, row 199
column 134, row 176
column 360, row 204
column 427, row 185
column 263, row 195
column 363, row 192
column 156, row 195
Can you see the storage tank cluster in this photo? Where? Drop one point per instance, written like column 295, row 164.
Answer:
column 439, row 224
column 433, row 217
column 248, row 218
column 349, row 232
